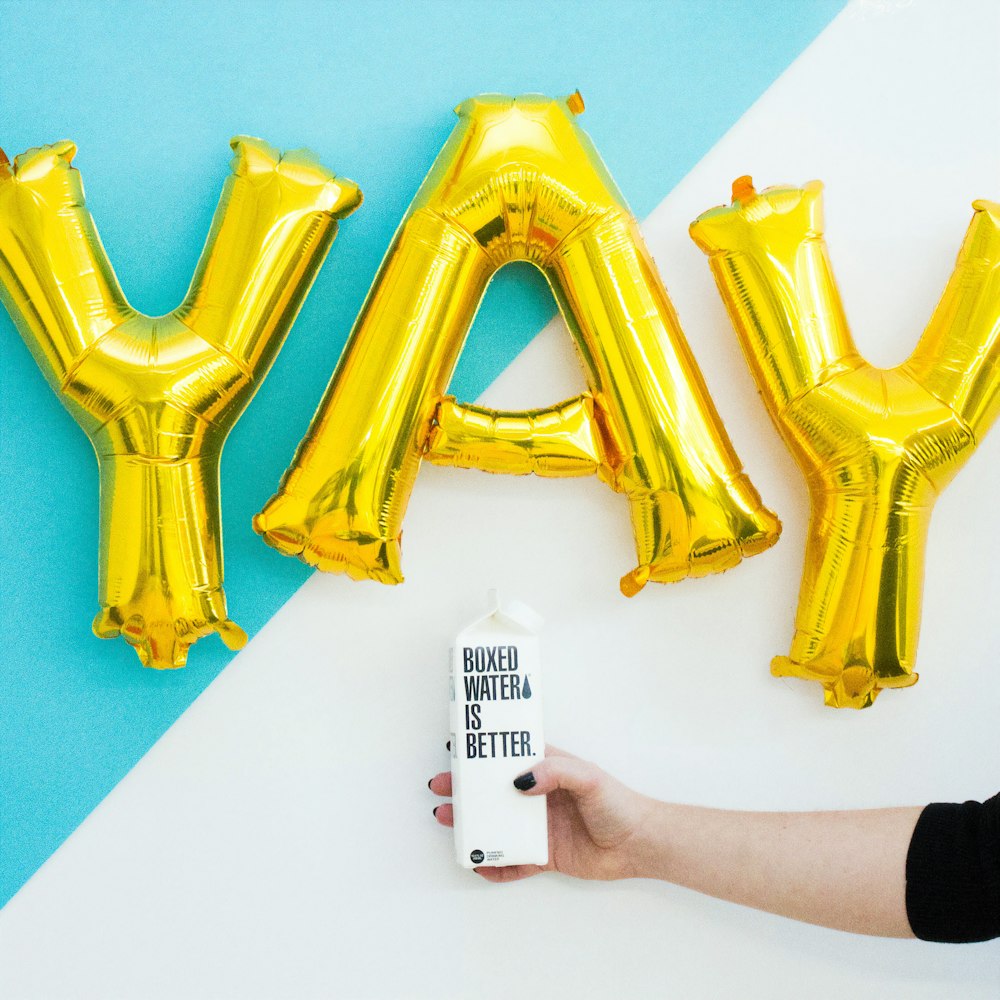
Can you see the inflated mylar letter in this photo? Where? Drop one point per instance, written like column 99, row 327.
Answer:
column 876, row 446
column 518, row 180
column 157, row 396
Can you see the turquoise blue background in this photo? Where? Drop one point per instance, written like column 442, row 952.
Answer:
column 151, row 94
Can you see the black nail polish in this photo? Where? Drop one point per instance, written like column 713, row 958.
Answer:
column 525, row 781
column 448, row 745
column 429, row 780
column 434, row 812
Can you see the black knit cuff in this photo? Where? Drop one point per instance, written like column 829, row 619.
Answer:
column 953, row 872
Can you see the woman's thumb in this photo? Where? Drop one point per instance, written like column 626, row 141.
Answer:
column 578, row 777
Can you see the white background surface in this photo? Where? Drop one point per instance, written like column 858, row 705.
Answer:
column 278, row 841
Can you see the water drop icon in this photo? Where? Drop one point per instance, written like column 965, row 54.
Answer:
column 526, row 688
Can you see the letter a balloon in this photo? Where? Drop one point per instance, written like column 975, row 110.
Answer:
column 518, row 180
column 157, row 396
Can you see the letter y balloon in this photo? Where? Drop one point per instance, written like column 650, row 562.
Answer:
column 158, row 395
column 876, row 445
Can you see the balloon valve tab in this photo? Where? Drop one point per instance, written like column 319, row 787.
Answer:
column 743, row 189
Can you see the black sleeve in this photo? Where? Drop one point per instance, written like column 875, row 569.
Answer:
column 953, row 872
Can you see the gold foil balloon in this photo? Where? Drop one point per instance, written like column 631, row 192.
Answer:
column 518, row 180
column 158, row 395
column 876, row 445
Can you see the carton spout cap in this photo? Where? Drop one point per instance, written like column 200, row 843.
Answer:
column 492, row 601
column 517, row 612
column 508, row 613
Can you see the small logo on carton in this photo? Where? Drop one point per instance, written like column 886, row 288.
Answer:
column 476, row 857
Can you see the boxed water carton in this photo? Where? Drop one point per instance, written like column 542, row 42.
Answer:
column 496, row 734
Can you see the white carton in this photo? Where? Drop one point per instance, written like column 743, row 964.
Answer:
column 496, row 734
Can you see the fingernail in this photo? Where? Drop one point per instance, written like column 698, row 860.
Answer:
column 448, row 745
column 429, row 780
column 525, row 781
column 434, row 811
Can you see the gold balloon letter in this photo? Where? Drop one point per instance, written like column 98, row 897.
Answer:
column 876, row 446
column 518, row 180
column 157, row 396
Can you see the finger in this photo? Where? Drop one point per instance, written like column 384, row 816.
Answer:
column 445, row 815
column 578, row 777
column 440, row 784
column 512, row 873
column 551, row 751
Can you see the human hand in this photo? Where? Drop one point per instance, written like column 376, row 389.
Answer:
column 595, row 822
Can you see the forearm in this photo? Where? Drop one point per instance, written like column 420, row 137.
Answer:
column 845, row 870
column 929, row 872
